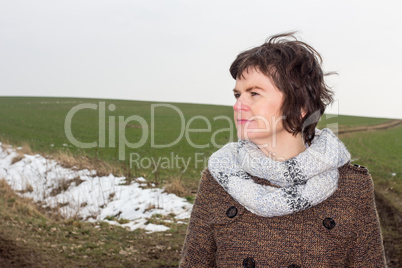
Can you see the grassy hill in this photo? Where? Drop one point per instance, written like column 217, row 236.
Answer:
column 194, row 132
column 41, row 123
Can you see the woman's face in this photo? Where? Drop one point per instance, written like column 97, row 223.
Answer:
column 257, row 109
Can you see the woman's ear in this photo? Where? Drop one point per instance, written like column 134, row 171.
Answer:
column 303, row 113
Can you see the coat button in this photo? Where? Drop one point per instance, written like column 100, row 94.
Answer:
column 329, row 223
column 231, row 212
column 293, row 266
column 248, row 263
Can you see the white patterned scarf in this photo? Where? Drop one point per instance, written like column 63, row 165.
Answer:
column 302, row 181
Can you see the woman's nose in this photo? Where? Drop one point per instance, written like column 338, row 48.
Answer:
column 239, row 105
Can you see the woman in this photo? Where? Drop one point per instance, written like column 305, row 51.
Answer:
column 285, row 194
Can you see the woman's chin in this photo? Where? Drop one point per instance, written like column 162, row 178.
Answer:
column 250, row 136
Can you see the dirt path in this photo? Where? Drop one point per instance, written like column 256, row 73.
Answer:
column 391, row 220
column 390, row 124
column 13, row 256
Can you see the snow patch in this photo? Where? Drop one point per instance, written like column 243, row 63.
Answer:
column 89, row 197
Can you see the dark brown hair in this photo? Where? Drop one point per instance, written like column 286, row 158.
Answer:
column 295, row 69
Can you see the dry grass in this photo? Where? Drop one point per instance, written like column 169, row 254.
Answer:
column 27, row 205
column 68, row 160
column 5, row 143
column 19, row 204
column 25, row 148
column 28, row 189
column 16, row 159
column 150, row 207
column 29, row 238
column 176, row 187
column 63, row 186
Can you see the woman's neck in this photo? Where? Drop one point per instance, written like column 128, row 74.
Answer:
column 285, row 147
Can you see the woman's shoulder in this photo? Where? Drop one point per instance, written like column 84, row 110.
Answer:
column 206, row 178
column 207, row 182
column 206, row 173
column 354, row 171
column 355, row 178
column 349, row 169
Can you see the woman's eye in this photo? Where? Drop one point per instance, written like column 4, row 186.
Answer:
column 236, row 95
column 254, row 94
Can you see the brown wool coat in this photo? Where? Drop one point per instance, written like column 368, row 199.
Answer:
column 342, row 231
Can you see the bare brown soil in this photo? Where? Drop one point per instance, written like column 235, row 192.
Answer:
column 12, row 255
column 389, row 124
column 391, row 222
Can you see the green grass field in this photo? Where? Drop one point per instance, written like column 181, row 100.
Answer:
column 40, row 122
column 381, row 152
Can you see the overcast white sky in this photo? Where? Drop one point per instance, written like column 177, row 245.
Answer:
column 180, row 51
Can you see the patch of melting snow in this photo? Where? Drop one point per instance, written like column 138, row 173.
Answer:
column 89, row 197
column 141, row 179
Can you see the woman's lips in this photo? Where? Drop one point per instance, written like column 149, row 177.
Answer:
column 243, row 121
